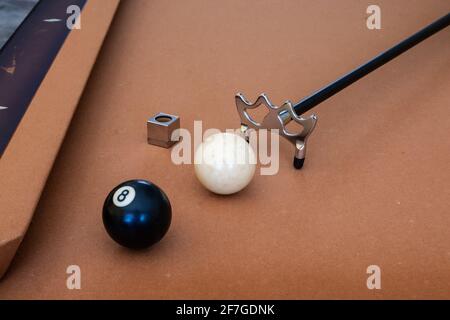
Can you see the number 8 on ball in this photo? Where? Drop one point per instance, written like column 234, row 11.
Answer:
column 124, row 196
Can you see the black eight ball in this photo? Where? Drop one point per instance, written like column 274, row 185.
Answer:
column 137, row 214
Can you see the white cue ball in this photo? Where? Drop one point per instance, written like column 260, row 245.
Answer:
column 225, row 163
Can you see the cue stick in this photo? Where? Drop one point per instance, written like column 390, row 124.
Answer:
column 331, row 89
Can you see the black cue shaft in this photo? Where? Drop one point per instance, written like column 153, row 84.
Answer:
column 321, row 95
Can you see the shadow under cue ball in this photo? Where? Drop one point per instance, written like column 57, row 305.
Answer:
column 137, row 214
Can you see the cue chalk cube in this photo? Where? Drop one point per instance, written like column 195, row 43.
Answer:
column 160, row 129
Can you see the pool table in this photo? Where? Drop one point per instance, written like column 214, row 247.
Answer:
column 374, row 189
